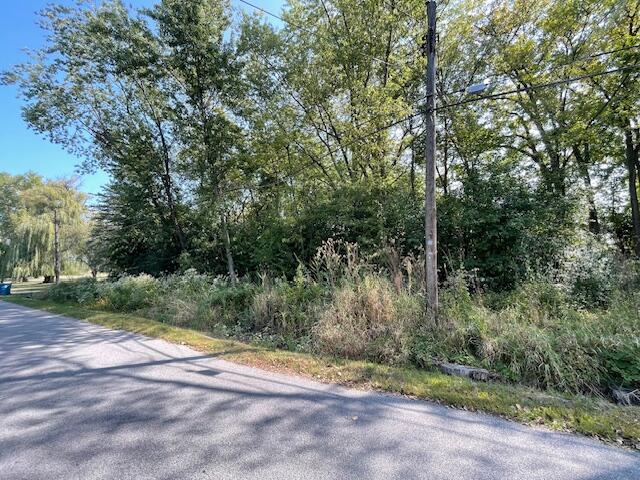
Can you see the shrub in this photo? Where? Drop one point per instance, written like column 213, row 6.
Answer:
column 179, row 299
column 534, row 336
column 130, row 293
column 588, row 273
column 232, row 303
column 497, row 226
column 203, row 302
column 617, row 340
column 288, row 308
column 85, row 291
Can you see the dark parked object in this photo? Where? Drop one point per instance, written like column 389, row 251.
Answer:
column 5, row 289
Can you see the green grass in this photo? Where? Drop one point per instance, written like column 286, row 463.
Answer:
column 36, row 287
column 29, row 288
column 581, row 414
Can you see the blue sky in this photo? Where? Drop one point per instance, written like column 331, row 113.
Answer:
column 21, row 149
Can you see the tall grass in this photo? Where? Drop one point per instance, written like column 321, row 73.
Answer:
column 544, row 334
column 368, row 319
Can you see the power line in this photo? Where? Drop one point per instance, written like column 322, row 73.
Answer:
column 334, row 151
column 601, row 54
column 581, row 59
column 498, row 95
column 589, row 57
column 495, row 96
column 273, row 15
column 475, row 99
column 311, row 32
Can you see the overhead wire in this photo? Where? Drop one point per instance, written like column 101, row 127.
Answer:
column 307, row 30
column 562, row 65
column 495, row 96
column 499, row 95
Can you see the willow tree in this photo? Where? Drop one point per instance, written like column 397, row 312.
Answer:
column 44, row 231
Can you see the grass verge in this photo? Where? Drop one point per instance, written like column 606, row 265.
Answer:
column 585, row 415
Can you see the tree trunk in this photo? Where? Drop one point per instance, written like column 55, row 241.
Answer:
column 444, row 178
column 412, row 168
column 583, row 161
column 166, row 181
column 557, row 175
column 56, row 246
column 227, row 248
column 631, row 151
column 412, row 171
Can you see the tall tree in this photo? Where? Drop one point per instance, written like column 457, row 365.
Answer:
column 91, row 89
column 148, row 98
column 43, row 230
column 205, row 79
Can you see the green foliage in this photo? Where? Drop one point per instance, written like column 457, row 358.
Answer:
column 366, row 214
column 502, row 230
column 535, row 336
column 31, row 207
column 129, row 294
column 132, row 235
column 83, row 292
column 288, row 309
column 344, row 306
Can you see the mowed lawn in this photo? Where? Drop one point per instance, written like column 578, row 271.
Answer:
column 36, row 286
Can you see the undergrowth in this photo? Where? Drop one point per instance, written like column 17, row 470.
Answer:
column 545, row 334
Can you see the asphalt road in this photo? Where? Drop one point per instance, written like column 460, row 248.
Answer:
column 79, row 401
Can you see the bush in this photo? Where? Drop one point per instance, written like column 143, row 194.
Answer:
column 500, row 228
column 589, row 273
column 535, row 336
column 544, row 334
column 130, row 293
column 202, row 302
column 84, row 292
column 288, row 309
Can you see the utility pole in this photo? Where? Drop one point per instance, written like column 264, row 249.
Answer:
column 430, row 225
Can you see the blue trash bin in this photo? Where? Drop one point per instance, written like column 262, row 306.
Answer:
column 5, row 289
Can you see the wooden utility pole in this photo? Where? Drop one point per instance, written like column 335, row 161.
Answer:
column 431, row 233
column 632, row 152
